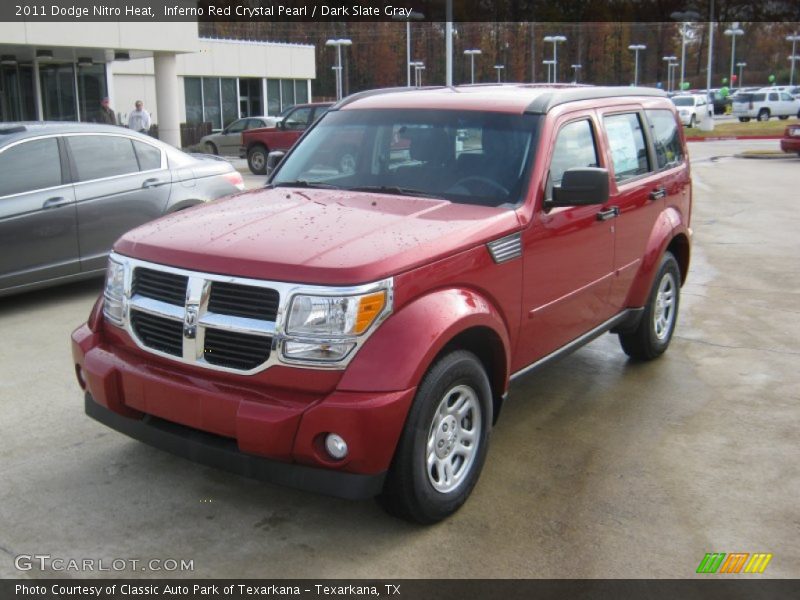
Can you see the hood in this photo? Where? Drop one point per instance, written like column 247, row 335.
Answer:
column 327, row 237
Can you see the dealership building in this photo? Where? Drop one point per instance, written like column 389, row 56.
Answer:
column 61, row 71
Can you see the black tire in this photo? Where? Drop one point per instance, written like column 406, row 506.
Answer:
column 257, row 160
column 763, row 114
column 647, row 342
column 409, row 491
column 210, row 148
column 744, row 119
column 692, row 122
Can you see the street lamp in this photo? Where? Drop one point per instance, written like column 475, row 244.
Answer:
column 413, row 16
column 741, row 66
column 794, row 38
column 549, row 64
column 670, row 60
column 555, row 39
column 472, row 53
column 685, row 17
column 733, row 31
column 499, row 68
column 576, row 68
column 671, row 67
column 338, row 68
column 794, row 58
column 636, row 48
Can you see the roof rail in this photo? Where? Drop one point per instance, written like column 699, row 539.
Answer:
column 545, row 102
column 378, row 92
column 13, row 129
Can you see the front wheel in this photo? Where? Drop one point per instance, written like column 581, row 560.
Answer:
column 763, row 115
column 444, row 443
column 653, row 333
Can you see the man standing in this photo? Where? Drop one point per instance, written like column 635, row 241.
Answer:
column 106, row 113
column 139, row 119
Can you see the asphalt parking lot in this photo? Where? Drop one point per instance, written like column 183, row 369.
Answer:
column 598, row 467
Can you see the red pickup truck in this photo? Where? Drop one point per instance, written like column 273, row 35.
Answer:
column 258, row 143
column 354, row 330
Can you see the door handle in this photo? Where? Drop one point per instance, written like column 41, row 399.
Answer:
column 609, row 213
column 55, row 202
column 658, row 193
column 152, row 182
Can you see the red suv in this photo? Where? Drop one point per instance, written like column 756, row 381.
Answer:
column 354, row 330
column 258, row 143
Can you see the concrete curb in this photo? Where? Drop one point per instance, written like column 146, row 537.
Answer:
column 764, row 156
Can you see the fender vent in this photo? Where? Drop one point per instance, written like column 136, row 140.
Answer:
column 506, row 248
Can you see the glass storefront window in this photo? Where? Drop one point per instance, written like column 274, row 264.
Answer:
column 287, row 93
column 273, row 96
column 91, row 90
column 211, row 105
column 193, row 95
column 300, row 91
column 230, row 106
column 58, row 92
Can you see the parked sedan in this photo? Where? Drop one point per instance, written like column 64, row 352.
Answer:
column 791, row 139
column 69, row 190
column 228, row 141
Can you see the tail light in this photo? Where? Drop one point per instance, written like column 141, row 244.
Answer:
column 235, row 179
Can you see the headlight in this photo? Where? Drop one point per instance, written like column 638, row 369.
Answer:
column 114, row 291
column 326, row 328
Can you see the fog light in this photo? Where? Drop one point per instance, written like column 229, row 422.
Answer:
column 335, row 446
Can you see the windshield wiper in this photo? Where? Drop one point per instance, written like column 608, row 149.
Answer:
column 392, row 189
column 304, row 183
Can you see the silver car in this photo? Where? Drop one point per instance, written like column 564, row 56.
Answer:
column 69, row 190
column 228, row 141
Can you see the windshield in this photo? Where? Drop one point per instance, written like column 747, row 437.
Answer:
column 684, row 101
column 463, row 156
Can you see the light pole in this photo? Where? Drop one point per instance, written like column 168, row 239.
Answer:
column 733, row 31
column 636, row 48
column 794, row 38
column 338, row 68
column 576, row 68
column 549, row 64
column 685, row 17
column 472, row 53
column 794, row 58
column 741, row 66
column 669, row 60
column 499, row 68
column 413, row 16
column 555, row 40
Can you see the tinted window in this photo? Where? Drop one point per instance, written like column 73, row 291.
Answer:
column 237, row 126
column 628, row 149
column 666, row 138
column 785, row 97
column 149, row 156
column 773, row 97
column 298, row 119
column 683, row 101
column 28, row 166
column 574, row 147
column 98, row 156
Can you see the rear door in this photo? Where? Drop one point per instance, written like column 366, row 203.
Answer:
column 638, row 189
column 120, row 183
column 38, row 224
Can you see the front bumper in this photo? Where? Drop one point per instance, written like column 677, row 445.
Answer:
column 245, row 424
column 790, row 144
column 222, row 453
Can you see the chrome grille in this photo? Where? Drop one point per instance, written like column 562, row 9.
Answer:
column 235, row 350
column 158, row 333
column 243, row 301
column 160, row 285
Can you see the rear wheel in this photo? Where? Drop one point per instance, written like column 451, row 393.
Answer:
column 210, row 148
column 444, row 442
column 763, row 114
column 654, row 332
column 257, row 160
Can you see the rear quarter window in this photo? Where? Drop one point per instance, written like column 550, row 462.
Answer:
column 666, row 138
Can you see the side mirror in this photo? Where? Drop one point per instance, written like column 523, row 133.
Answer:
column 274, row 158
column 581, row 186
